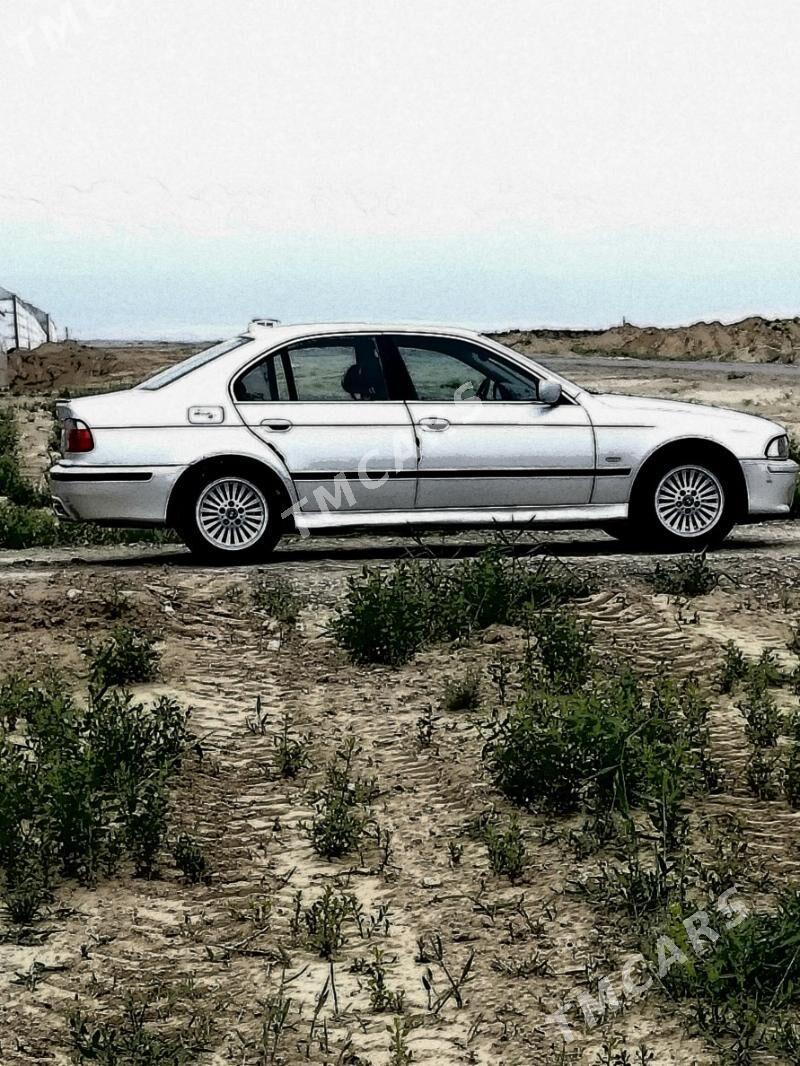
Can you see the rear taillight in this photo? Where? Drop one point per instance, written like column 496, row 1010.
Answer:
column 77, row 437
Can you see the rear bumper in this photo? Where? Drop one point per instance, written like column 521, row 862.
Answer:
column 112, row 494
column 770, row 486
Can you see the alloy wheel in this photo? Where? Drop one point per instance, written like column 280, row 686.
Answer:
column 232, row 513
column 689, row 501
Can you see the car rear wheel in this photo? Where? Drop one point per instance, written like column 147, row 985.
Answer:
column 230, row 518
column 684, row 505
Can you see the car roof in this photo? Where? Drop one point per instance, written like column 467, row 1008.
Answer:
column 279, row 332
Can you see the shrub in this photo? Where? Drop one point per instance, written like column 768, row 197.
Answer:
column 634, row 886
column 762, row 717
column 389, row 614
column 82, row 786
column 127, row 657
column 755, row 677
column 606, row 746
column 690, row 576
column 14, row 486
column 385, row 616
column 761, row 773
column 26, row 527
column 25, row 885
column 752, row 973
column 564, row 648
column 734, row 667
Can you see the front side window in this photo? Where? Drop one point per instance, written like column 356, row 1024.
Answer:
column 448, row 369
column 337, row 369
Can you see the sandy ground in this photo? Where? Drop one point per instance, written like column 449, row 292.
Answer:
column 215, row 948
column 224, row 948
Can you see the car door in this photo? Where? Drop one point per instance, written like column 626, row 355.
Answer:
column 485, row 440
column 322, row 405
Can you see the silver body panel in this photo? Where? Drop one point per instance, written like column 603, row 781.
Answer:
column 389, row 462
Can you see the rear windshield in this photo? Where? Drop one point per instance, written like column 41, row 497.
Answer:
column 179, row 370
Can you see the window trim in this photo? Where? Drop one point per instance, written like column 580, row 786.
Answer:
column 387, row 336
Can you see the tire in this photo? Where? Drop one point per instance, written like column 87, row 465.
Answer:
column 230, row 517
column 683, row 504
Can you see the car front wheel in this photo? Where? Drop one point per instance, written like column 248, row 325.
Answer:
column 683, row 505
column 230, row 518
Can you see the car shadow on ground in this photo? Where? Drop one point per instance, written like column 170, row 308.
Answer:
column 315, row 550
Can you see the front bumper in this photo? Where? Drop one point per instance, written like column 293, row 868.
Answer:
column 112, row 494
column 770, row 486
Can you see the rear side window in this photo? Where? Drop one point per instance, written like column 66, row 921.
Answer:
column 263, row 382
column 174, row 373
column 330, row 369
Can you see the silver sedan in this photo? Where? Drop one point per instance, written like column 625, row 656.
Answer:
column 327, row 427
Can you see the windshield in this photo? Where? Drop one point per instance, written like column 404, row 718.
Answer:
column 186, row 366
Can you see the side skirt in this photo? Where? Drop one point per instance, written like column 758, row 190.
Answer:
column 554, row 517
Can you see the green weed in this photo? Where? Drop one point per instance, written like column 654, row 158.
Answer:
column 340, row 818
column 128, row 657
column 506, row 849
column 325, row 921
column 276, row 598
column 191, row 860
column 689, row 576
column 290, row 753
column 462, row 694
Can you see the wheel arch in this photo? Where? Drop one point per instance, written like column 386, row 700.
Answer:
column 230, row 463
column 695, row 449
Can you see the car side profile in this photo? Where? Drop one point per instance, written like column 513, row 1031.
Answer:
column 327, row 427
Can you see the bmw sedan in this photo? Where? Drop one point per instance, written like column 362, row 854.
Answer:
column 330, row 427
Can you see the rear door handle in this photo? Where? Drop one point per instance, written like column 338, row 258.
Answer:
column 278, row 425
column 435, row 425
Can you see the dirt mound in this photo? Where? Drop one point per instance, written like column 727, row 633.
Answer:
column 753, row 340
column 70, row 365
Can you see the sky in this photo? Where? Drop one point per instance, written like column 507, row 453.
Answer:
column 175, row 169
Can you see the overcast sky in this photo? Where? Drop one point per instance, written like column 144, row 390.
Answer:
column 173, row 169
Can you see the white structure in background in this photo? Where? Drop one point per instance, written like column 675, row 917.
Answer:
column 22, row 326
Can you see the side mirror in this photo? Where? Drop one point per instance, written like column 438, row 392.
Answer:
column 549, row 393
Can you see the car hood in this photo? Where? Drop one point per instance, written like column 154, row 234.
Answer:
column 660, row 408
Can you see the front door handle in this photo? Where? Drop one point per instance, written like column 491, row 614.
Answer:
column 278, row 425
column 435, row 425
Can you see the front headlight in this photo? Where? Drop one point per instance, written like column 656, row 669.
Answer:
column 778, row 447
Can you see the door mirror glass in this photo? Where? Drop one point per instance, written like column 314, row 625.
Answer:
column 549, row 393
